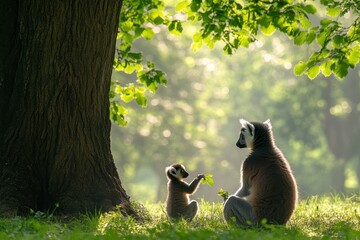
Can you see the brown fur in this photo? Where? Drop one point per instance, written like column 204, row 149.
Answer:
column 178, row 204
column 268, row 184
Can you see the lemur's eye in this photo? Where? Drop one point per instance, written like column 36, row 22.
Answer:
column 243, row 129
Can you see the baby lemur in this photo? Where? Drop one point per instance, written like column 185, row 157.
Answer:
column 178, row 204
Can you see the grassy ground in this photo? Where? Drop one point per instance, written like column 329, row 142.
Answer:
column 331, row 217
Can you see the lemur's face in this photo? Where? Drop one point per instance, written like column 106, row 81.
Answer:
column 178, row 171
column 247, row 133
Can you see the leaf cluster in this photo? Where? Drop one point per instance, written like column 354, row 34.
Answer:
column 338, row 42
column 137, row 20
column 208, row 179
column 236, row 23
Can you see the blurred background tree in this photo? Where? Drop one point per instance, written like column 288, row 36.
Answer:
column 194, row 120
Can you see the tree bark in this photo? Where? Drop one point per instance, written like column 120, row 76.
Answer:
column 55, row 68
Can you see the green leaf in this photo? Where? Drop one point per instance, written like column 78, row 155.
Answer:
column 129, row 69
column 152, row 87
column 299, row 68
column 141, row 99
column 310, row 8
column 181, row 5
column 338, row 40
column 321, row 39
column 118, row 89
column 158, row 20
column 223, row 193
column 333, row 12
column 138, row 31
column 127, row 96
column 310, row 37
column 126, row 26
column 197, row 37
column 196, row 46
column 135, row 56
column 325, row 22
column 148, row 33
column 175, row 27
column 313, row 72
column 305, row 23
column 118, row 113
column 208, row 179
column 195, row 5
column 269, row 30
column 341, row 69
column 354, row 55
column 228, row 49
column 300, row 38
column 326, row 68
column 150, row 64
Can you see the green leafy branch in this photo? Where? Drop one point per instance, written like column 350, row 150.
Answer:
column 236, row 23
column 339, row 45
column 137, row 20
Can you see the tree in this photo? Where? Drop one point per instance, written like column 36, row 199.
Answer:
column 56, row 61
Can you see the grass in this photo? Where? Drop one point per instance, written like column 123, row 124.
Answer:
column 328, row 217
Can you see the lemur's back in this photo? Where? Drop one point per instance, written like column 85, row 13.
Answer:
column 177, row 200
column 274, row 190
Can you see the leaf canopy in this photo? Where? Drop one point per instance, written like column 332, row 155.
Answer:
column 235, row 24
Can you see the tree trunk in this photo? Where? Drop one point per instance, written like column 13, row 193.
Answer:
column 338, row 177
column 55, row 67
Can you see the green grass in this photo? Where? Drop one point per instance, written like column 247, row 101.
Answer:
column 331, row 217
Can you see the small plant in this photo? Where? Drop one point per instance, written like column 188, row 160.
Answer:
column 208, row 179
column 224, row 194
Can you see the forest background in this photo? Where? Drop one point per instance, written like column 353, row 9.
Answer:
column 194, row 119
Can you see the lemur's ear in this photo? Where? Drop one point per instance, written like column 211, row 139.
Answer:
column 171, row 170
column 247, row 125
column 268, row 124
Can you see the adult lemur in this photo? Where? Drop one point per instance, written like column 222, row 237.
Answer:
column 178, row 204
column 268, row 189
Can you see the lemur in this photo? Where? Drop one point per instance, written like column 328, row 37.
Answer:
column 268, row 188
column 178, row 204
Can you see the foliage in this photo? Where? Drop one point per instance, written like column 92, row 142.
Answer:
column 208, row 179
column 224, row 194
column 236, row 24
column 136, row 20
column 337, row 38
column 315, row 218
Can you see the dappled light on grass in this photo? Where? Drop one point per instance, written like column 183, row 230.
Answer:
column 330, row 217
column 316, row 217
column 337, row 216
